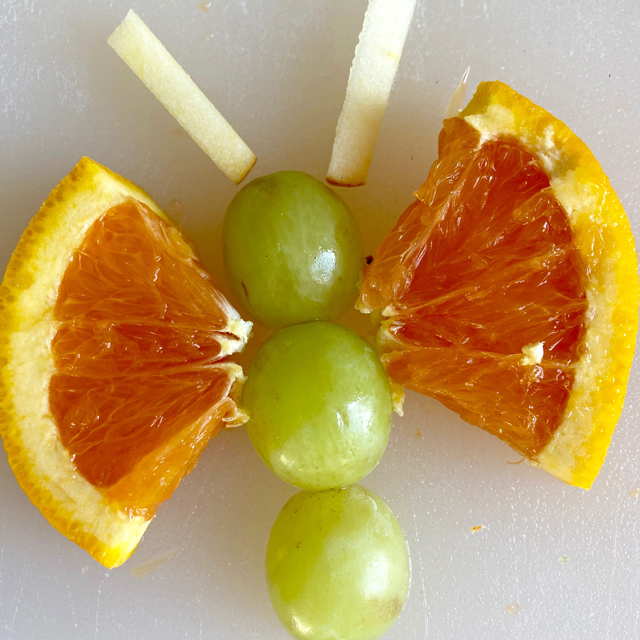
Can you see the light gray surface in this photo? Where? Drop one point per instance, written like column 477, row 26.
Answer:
column 278, row 69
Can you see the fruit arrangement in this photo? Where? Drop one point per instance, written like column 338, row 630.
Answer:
column 508, row 291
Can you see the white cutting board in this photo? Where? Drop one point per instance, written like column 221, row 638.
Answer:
column 277, row 69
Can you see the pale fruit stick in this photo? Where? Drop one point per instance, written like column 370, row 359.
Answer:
column 385, row 28
column 457, row 103
column 134, row 42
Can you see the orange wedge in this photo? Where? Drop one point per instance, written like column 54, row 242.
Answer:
column 509, row 288
column 114, row 347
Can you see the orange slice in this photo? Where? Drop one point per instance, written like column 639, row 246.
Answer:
column 114, row 348
column 509, row 288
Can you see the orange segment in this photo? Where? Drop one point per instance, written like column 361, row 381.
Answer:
column 496, row 299
column 136, row 353
column 116, row 346
column 499, row 256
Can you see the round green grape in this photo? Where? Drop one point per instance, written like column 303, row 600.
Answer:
column 292, row 250
column 337, row 565
column 319, row 405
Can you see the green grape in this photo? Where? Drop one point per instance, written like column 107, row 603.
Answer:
column 319, row 405
column 292, row 250
column 337, row 565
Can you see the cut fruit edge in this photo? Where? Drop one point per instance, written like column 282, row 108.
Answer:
column 373, row 70
column 602, row 233
column 42, row 465
column 148, row 58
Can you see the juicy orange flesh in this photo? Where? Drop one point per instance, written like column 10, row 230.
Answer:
column 481, row 265
column 138, row 389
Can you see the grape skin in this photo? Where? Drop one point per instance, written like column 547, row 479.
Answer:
column 319, row 405
column 292, row 250
column 337, row 565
